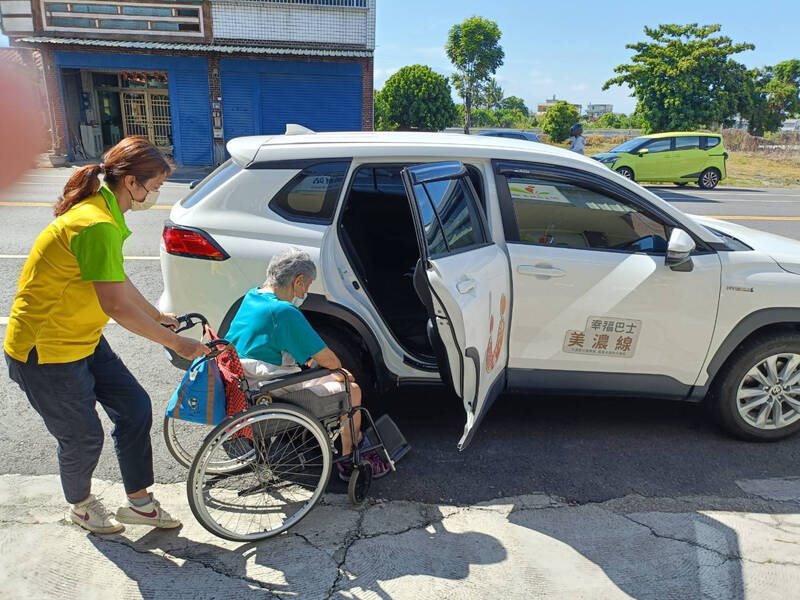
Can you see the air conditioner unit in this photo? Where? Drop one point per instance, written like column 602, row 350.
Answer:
column 92, row 139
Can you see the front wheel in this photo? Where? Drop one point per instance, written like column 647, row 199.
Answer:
column 709, row 179
column 626, row 172
column 758, row 394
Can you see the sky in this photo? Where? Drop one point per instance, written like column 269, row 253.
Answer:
column 571, row 49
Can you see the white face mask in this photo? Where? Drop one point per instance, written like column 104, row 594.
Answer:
column 299, row 301
column 148, row 202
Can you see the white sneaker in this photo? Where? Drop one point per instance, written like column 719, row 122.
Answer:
column 150, row 514
column 92, row 515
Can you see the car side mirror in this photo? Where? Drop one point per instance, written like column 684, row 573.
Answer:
column 642, row 152
column 194, row 184
column 679, row 251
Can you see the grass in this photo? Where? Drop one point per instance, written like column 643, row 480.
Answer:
column 745, row 169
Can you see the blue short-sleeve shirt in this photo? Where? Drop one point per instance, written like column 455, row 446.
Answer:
column 265, row 326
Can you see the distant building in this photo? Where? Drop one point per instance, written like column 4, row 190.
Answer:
column 192, row 74
column 791, row 125
column 595, row 111
column 543, row 106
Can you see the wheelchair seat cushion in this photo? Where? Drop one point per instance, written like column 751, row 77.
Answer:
column 322, row 407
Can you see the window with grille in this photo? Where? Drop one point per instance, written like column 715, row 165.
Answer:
column 128, row 17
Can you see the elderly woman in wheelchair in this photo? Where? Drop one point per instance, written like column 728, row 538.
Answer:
column 273, row 337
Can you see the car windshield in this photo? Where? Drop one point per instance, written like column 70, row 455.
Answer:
column 628, row 146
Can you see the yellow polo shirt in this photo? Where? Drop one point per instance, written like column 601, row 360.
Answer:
column 56, row 308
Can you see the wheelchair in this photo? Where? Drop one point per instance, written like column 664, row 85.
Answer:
column 262, row 469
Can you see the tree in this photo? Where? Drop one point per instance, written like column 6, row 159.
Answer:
column 482, row 117
column 415, row 98
column 512, row 118
column 774, row 96
column 490, row 96
column 512, row 102
column 684, row 78
column 473, row 48
column 381, row 115
column 558, row 119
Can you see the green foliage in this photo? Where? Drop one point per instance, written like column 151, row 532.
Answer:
column 473, row 48
column 684, row 78
column 482, row 117
column 415, row 98
column 490, row 95
column 512, row 118
column 514, row 102
column 558, row 119
column 774, row 96
column 382, row 122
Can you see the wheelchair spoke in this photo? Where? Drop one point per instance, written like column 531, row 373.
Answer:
column 288, row 466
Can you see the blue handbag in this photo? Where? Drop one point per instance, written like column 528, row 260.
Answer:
column 200, row 397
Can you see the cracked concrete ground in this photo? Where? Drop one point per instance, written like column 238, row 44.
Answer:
column 519, row 547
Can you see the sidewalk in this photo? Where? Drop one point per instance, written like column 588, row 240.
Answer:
column 531, row 546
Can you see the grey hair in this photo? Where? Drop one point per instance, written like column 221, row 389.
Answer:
column 285, row 266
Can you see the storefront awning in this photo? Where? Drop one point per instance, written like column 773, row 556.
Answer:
column 221, row 48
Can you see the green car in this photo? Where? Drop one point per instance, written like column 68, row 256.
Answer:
column 680, row 157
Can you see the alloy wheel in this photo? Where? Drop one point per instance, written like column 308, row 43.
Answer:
column 710, row 179
column 768, row 396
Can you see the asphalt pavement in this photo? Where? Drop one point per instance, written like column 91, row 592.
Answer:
column 575, row 452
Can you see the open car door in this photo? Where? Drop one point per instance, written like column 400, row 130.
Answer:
column 463, row 279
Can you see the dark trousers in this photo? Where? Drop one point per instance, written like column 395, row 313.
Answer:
column 64, row 395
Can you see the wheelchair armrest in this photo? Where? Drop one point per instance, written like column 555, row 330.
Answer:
column 282, row 382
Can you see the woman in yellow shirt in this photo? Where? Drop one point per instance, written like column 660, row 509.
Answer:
column 71, row 283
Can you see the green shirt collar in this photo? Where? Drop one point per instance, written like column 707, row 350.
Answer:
column 113, row 208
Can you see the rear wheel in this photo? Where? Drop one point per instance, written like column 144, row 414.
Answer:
column 626, row 172
column 184, row 439
column 709, row 179
column 272, row 492
column 351, row 356
column 757, row 396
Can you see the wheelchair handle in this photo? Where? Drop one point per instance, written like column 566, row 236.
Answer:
column 189, row 320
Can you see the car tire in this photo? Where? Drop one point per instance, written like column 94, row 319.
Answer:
column 351, row 357
column 735, row 388
column 626, row 172
column 709, row 179
column 681, row 183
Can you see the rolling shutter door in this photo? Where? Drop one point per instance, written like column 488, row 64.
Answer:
column 191, row 99
column 260, row 97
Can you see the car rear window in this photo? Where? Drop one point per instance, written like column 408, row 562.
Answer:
column 312, row 194
column 215, row 179
column 689, row 142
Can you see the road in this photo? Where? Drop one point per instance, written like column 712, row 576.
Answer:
column 580, row 449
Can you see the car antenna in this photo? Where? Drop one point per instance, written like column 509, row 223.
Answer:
column 295, row 129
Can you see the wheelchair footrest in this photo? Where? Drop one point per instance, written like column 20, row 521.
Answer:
column 395, row 443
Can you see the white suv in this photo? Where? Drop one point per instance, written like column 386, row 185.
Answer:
column 496, row 265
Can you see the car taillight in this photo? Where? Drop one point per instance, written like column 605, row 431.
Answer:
column 192, row 243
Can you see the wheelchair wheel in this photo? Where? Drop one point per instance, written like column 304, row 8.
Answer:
column 184, row 438
column 358, row 486
column 278, row 486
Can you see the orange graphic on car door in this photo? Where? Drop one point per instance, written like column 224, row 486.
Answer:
column 494, row 348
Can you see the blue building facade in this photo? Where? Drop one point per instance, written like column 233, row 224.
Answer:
column 191, row 75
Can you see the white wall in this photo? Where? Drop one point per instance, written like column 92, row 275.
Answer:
column 265, row 21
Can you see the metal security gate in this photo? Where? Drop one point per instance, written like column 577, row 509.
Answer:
column 147, row 114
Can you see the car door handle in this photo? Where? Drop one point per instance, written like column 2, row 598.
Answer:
column 465, row 286
column 540, row 271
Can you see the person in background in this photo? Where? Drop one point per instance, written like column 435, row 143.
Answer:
column 271, row 336
column 577, row 143
column 71, row 283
